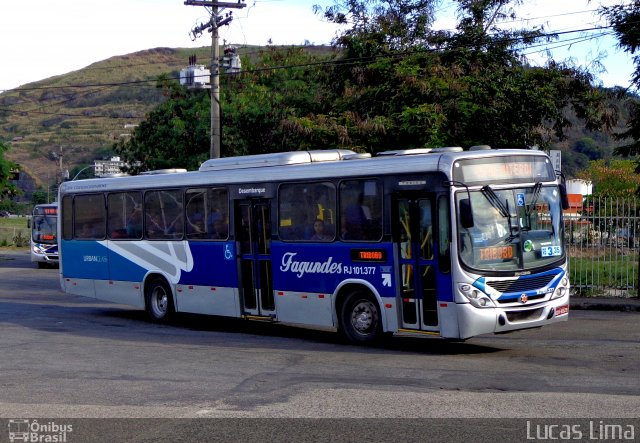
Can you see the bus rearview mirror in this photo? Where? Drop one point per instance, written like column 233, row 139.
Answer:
column 564, row 198
column 466, row 215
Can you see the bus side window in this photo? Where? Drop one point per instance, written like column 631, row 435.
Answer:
column 361, row 210
column 306, row 212
column 207, row 213
column 124, row 215
column 163, row 214
column 67, row 218
column 89, row 216
column 195, row 227
column 218, row 214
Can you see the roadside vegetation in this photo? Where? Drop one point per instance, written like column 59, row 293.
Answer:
column 14, row 232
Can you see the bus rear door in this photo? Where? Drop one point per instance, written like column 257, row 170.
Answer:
column 253, row 234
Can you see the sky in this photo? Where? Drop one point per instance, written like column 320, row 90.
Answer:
column 44, row 38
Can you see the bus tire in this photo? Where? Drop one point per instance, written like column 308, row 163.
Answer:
column 158, row 300
column 360, row 320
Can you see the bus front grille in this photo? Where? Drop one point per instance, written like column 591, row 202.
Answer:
column 523, row 315
column 521, row 284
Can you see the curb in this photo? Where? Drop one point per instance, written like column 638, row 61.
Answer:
column 605, row 304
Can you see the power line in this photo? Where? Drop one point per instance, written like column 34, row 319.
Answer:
column 400, row 53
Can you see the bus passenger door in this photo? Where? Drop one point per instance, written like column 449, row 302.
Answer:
column 253, row 234
column 413, row 234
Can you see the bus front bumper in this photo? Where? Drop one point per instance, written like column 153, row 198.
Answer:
column 476, row 321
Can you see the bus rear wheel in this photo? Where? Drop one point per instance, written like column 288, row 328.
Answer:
column 158, row 300
column 360, row 321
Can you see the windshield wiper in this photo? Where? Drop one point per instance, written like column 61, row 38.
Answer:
column 534, row 198
column 495, row 201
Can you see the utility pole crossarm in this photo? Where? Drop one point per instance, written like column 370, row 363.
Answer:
column 214, row 3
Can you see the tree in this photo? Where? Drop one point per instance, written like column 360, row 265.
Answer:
column 277, row 89
column 174, row 135
column 39, row 196
column 625, row 18
column 7, row 170
column 589, row 147
column 612, row 179
column 460, row 88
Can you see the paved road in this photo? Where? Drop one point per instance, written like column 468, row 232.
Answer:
column 71, row 357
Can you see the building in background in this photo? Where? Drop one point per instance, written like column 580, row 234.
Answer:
column 104, row 168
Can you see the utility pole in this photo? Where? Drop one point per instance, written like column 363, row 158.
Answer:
column 214, row 24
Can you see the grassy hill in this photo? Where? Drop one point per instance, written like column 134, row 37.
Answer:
column 82, row 113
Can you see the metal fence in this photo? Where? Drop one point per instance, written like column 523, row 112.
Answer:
column 602, row 240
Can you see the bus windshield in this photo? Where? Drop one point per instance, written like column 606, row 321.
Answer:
column 513, row 229
column 44, row 228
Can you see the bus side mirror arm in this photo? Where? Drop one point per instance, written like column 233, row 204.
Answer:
column 466, row 214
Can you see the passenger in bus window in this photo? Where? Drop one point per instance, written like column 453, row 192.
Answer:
column 214, row 216
column 319, row 233
column 220, row 229
column 154, row 226
column 355, row 220
column 86, row 231
column 196, row 227
column 134, row 223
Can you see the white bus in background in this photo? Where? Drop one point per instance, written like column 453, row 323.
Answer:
column 44, row 235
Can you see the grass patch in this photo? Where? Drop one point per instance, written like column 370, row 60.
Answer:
column 12, row 229
column 597, row 275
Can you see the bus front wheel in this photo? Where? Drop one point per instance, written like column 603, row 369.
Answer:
column 360, row 318
column 158, row 300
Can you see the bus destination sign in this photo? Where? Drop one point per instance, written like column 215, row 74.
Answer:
column 494, row 253
column 370, row 255
column 514, row 168
column 46, row 211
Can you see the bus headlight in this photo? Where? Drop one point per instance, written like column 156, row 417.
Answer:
column 562, row 289
column 476, row 297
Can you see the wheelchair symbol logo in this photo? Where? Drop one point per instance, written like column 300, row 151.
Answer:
column 520, row 199
column 228, row 252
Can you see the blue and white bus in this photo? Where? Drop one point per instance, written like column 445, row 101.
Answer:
column 440, row 241
column 44, row 232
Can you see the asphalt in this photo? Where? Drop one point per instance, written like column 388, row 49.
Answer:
column 622, row 304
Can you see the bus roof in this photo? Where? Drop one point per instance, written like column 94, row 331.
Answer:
column 297, row 165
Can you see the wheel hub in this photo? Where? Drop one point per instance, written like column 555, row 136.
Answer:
column 362, row 317
column 161, row 301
